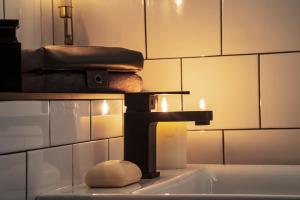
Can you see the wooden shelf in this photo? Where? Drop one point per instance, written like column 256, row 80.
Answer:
column 58, row 96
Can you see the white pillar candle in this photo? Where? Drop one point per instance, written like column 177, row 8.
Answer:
column 171, row 139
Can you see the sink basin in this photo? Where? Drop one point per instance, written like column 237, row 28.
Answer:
column 234, row 180
column 204, row 182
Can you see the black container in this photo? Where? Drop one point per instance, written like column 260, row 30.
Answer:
column 10, row 57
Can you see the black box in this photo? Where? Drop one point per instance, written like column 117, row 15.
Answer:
column 10, row 57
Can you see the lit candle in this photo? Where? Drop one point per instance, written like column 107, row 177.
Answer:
column 65, row 2
column 202, row 104
column 106, row 123
column 170, row 143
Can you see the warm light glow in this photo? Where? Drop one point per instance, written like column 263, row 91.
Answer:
column 164, row 105
column 105, row 108
column 178, row 2
column 202, row 104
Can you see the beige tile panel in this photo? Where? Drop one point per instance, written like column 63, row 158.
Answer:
column 229, row 85
column 46, row 23
column 29, row 14
column 262, row 147
column 280, row 86
column 110, row 23
column 260, row 26
column 163, row 75
column 116, row 148
column 204, row 147
column 183, row 28
column 1, row 9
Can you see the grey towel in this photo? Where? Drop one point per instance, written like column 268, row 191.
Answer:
column 82, row 57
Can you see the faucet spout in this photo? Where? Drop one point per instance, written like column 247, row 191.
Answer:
column 140, row 142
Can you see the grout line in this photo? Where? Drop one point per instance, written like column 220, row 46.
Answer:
column 4, row 13
column 259, row 92
column 41, row 23
column 53, row 30
column 221, row 26
column 49, row 121
column 223, row 55
column 108, row 155
column 90, row 120
column 246, row 129
column 26, row 175
column 223, row 147
column 181, row 83
column 60, row 145
column 72, row 165
column 145, row 29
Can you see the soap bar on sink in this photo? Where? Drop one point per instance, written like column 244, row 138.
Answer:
column 113, row 173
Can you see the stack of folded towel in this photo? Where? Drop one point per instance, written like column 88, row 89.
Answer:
column 81, row 69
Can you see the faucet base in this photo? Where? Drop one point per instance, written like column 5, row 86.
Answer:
column 151, row 175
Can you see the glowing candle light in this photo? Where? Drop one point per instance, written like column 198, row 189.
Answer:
column 202, row 104
column 164, row 105
column 105, row 108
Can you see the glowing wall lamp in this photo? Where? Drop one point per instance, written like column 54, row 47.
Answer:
column 65, row 12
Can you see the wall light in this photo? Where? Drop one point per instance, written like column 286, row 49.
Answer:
column 65, row 12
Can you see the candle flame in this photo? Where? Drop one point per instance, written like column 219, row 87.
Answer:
column 105, row 107
column 164, row 105
column 202, row 104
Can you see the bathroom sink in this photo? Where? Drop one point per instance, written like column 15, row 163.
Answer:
column 205, row 182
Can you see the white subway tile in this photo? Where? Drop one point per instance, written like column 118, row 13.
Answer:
column 260, row 26
column 13, row 177
column 29, row 14
column 110, row 124
column 116, row 148
column 229, row 85
column 105, row 23
column 49, row 169
column 85, row 156
column 204, row 147
column 163, row 75
column 262, row 147
column 280, row 86
column 1, row 9
column 69, row 121
column 183, row 28
column 46, row 24
column 23, row 125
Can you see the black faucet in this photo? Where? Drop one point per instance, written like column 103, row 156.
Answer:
column 139, row 143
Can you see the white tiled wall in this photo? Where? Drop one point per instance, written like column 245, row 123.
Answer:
column 256, row 26
column 204, row 147
column 13, row 176
column 49, row 169
column 23, row 125
column 29, row 14
column 86, row 155
column 280, row 86
column 54, row 155
column 69, row 121
column 183, row 28
column 46, row 22
column 229, row 85
column 262, row 146
column 1, row 9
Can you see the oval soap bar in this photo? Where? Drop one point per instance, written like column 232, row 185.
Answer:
column 113, row 173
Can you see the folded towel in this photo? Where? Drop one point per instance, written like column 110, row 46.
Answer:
column 82, row 57
column 76, row 81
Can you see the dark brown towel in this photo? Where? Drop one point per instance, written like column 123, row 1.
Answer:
column 81, row 57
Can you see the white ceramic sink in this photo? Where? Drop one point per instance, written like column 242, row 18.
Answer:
column 205, row 182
